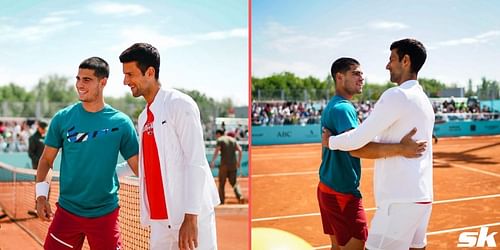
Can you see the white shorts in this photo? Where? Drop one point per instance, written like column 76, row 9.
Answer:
column 165, row 238
column 398, row 226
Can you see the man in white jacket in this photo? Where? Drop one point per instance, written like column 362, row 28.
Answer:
column 402, row 186
column 177, row 190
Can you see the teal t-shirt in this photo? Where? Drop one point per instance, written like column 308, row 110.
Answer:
column 339, row 170
column 90, row 144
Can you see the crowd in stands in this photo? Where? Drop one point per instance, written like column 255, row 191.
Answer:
column 469, row 110
column 297, row 113
column 14, row 135
column 287, row 113
column 450, row 106
column 239, row 132
column 302, row 113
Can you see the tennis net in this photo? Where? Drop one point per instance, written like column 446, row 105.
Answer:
column 17, row 197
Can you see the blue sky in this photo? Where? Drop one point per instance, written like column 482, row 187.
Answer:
column 304, row 37
column 203, row 44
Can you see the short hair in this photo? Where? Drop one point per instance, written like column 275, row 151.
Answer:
column 100, row 67
column 414, row 49
column 145, row 55
column 342, row 65
column 42, row 124
column 219, row 131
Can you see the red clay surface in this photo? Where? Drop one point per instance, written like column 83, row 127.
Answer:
column 285, row 178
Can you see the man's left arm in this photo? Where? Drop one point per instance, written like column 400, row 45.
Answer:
column 387, row 110
column 407, row 147
column 240, row 154
column 190, row 133
column 214, row 157
column 129, row 148
column 129, row 167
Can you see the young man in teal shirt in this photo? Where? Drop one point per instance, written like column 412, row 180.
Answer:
column 339, row 198
column 90, row 134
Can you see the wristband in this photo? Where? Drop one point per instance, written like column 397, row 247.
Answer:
column 42, row 189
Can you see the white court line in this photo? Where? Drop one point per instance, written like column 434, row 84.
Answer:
column 286, row 174
column 436, row 232
column 295, row 173
column 467, row 199
column 373, row 208
column 462, row 228
column 469, row 168
column 323, row 247
column 284, row 156
column 285, row 217
column 295, row 216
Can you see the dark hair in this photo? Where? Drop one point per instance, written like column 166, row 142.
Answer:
column 100, row 67
column 342, row 65
column 42, row 124
column 219, row 131
column 414, row 49
column 145, row 55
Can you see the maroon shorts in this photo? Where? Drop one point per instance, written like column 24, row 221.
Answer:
column 67, row 231
column 342, row 215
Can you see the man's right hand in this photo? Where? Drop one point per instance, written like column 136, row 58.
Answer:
column 325, row 138
column 411, row 148
column 43, row 209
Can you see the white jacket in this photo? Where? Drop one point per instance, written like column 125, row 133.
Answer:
column 399, row 109
column 187, row 179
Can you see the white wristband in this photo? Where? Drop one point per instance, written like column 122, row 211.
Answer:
column 42, row 189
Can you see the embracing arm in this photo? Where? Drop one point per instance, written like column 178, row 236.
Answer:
column 387, row 110
column 407, row 147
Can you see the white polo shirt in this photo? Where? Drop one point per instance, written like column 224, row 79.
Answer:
column 399, row 109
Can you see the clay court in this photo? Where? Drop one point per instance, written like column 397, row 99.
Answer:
column 466, row 190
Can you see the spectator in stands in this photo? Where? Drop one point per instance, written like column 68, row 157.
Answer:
column 177, row 190
column 229, row 164
column 2, row 128
column 36, row 145
column 239, row 134
column 35, row 149
column 90, row 134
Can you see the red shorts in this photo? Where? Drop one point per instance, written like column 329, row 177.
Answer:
column 342, row 215
column 67, row 231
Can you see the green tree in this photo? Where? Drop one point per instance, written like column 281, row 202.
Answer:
column 489, row 89
column 207, row 105
column 127, row 104
column 470, row 92
column 54, row 92
column 287, row 86
column 372, row 91
column 17, row 100
column 432, row 87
